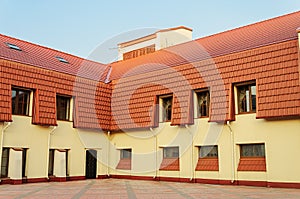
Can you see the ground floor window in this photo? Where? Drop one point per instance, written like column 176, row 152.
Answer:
column 125, row 159
column 208, row 159
column 51, row 162
column 170, row 160
column 4, row 162
column 24, row 158
column 252, row 157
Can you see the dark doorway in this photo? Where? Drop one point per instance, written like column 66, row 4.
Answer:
column 91, row 164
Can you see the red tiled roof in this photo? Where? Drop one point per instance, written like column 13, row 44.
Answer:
column 92, row 98
column 252, row 164
column 170, row 164
column 207, row 164
column 266, row 52
column 124, row 164
column 259, row 34
column 40, row 56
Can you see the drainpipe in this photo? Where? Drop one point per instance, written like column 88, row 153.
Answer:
column 1, row 146
column 108, row 154
column 155, row 145
column 192, row 157
column 233, row 152
column 49, row 139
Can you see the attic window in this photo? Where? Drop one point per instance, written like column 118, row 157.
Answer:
column 61, row 59
column 13, row 46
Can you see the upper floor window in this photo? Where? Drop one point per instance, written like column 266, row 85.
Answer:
column 246, row 98
column 166, row 108
column 63, row 107
column 20, row 101
column 203, row 103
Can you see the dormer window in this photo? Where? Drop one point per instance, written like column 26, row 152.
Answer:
column 61, row 59
column 13, row 46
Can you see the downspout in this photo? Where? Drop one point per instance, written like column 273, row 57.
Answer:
column 155, row 150
column 192, row 157
column 108, row 154
column 49, row 141
column 232, row 152
column 1, row 146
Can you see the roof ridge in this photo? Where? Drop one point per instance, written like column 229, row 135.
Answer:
column 248, row 25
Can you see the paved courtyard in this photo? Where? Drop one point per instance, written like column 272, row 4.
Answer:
column 116, row 188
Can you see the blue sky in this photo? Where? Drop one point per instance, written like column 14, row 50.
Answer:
column 78, row 27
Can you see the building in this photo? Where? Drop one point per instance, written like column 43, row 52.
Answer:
column 150, row 43
column 221, row 109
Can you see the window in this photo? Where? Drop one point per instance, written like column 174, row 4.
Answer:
column 125, row 153
column 208, row 159
column 208, row 152
column 63, row 107
column 252, row 150
column 252, row 157
column 171, row 152
column 246, row 95
column 203, row 103
column 67, row 163
column 51, row 162
column 24, row 157
column 170, row 160
column 20, row 101
column 4, row 163
column 166, row 105
column 61, row 59
column 13, row 46
column 125, row 159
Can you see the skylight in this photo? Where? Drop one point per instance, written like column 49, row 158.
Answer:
column 61, row 59
column 13, row 46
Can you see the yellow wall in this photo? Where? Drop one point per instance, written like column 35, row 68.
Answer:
column 281, row 138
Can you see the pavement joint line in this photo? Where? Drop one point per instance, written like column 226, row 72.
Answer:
column 32, row 192
column 84, row 189
column 185, row 195
column 130, row 191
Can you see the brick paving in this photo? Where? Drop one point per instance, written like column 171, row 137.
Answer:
column 117, row 188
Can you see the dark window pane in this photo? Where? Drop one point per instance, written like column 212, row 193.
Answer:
column 208, row 152
column 203, row 104
column 171, row 152
column 167, row 109
column 246, row 98
column 125, row 153
column 20, row 101
column 62, row 107
column 253, row 150
column 24, row 157
column 4, row 163
column 51, row 162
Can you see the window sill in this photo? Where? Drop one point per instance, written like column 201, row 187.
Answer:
column 245, row 113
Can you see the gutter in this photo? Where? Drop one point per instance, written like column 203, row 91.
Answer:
column 192, row 156
column 155, row 150
column 232, row 152
column 108, row 154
